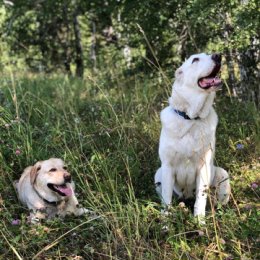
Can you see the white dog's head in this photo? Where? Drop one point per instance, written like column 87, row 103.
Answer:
column 51, row 178
column 200, row 71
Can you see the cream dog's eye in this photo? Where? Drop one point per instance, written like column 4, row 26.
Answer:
column 53, row 170
column 65, row 168
column 195, row 60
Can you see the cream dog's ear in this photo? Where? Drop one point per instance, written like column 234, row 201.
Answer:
column 34, row 172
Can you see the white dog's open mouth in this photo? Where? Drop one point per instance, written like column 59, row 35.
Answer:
column 212, row 80
column 62, row 190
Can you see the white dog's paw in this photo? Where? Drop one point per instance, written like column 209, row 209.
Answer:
column 201, row 219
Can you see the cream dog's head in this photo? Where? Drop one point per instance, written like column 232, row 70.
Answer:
column 51, row 179
column 199, row 71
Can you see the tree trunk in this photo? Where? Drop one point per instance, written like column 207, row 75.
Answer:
column 248, row 61
column 78, row 46
column 65, row 42
column 182, row 48
column 93, row 46
column 231, row 72
column 229, row 55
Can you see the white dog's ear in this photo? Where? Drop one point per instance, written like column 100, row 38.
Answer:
column 34, row 172
column 178, row 74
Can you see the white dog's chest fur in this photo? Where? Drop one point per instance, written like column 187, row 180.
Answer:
column 184, row 143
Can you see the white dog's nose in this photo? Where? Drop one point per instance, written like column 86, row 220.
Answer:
column 216, row 57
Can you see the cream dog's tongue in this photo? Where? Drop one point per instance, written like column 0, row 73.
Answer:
column 66, row 190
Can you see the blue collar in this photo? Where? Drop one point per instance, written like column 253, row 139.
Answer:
column 184, row 115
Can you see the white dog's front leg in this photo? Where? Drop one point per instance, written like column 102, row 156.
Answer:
column 167, row 184
column 201, row 197
column 203, row 180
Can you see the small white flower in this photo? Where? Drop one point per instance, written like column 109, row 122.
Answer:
column 76, row 120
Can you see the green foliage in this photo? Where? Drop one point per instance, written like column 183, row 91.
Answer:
column 43, row 32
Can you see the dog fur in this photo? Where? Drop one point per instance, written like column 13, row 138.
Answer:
column 47, row 190
column 187, row 145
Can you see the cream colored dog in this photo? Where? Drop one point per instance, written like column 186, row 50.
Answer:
column 187, row 141
column 48, row 190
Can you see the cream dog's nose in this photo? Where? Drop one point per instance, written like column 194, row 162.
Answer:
column 67, row 177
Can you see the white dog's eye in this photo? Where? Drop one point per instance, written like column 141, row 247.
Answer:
column 53, row 170
column 195, row 60
column 65, row 168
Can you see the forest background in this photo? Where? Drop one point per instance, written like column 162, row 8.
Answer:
column 86, row 81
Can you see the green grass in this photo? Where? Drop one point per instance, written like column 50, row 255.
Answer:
column 107, row 130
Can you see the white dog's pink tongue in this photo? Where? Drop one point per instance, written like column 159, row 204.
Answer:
column 66, row 190
column 207, row 82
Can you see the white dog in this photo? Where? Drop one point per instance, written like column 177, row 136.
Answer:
column 48, row 190
column 187, row 141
